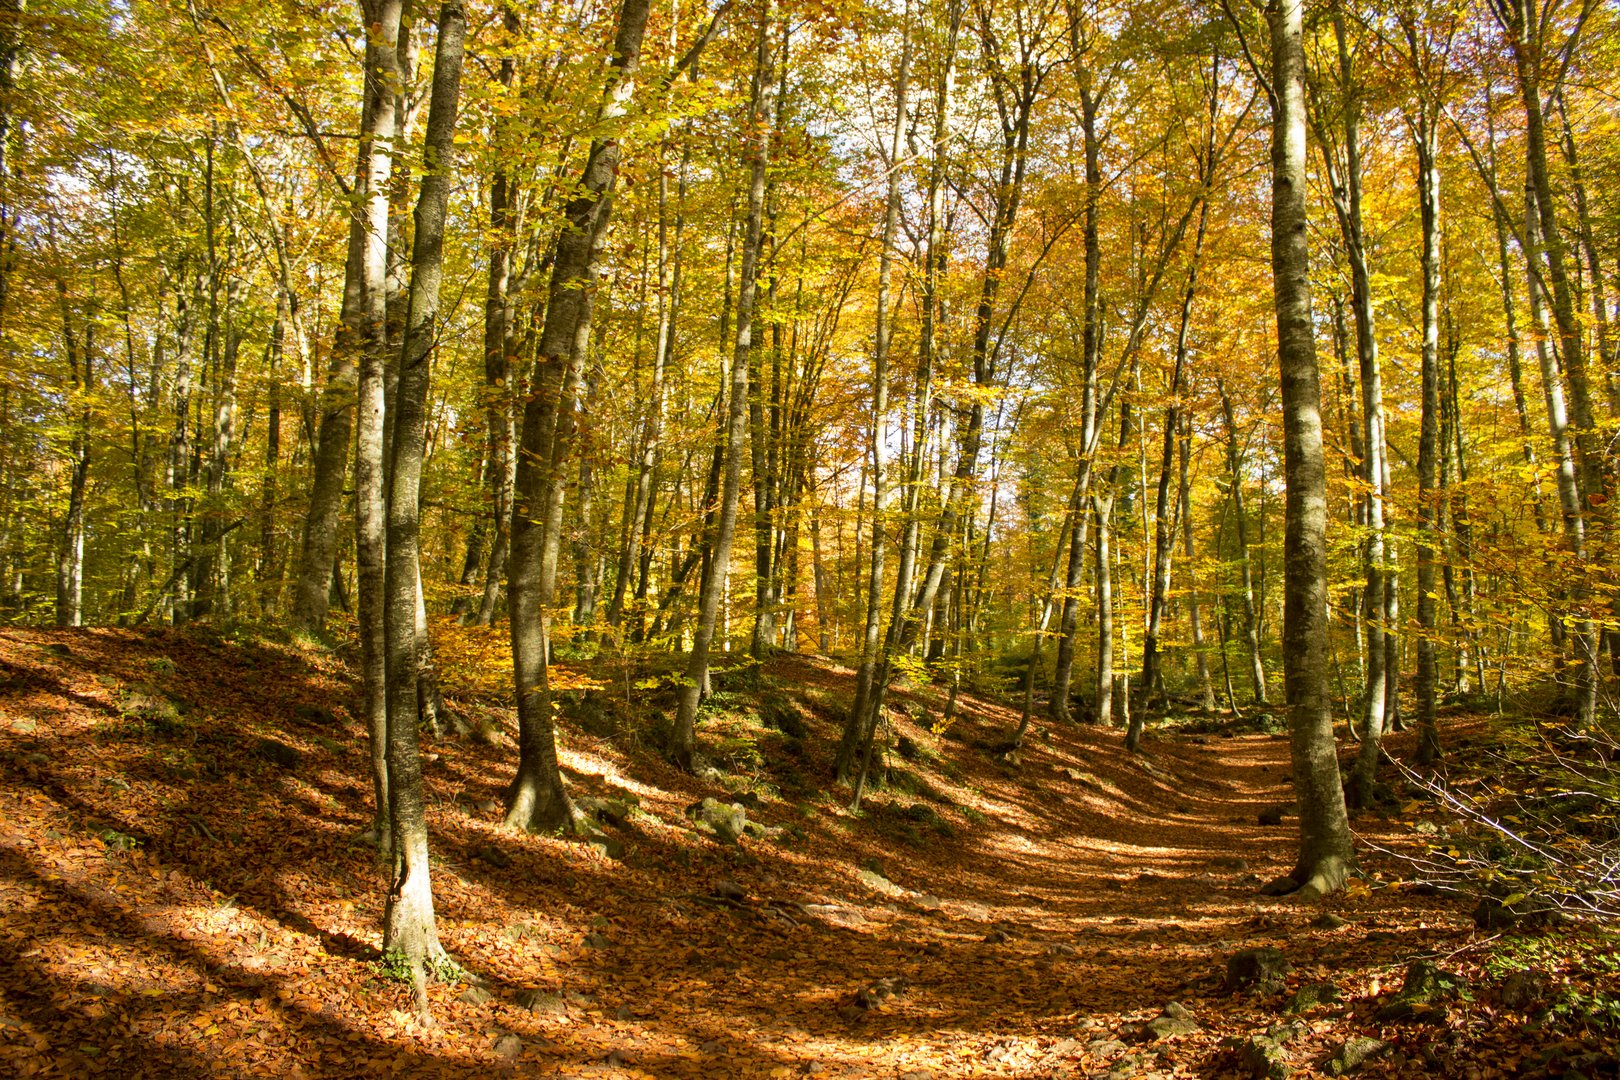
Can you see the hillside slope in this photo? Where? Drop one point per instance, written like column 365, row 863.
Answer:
column 185, row 890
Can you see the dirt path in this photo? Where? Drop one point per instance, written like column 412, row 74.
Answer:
column 179, row 896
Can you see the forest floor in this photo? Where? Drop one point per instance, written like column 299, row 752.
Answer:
column 186, row 890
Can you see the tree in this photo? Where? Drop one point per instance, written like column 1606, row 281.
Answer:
column 1324, row 848
column 408, row 923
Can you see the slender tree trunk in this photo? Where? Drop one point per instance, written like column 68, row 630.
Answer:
column 1379, row 591
column 359, row 325
column 1102, row 509
column 880, row 403
column 408, row 921
column 370, row 451
column 1426, row 682
column 1206, row 689
column 1580, row 631
column 683, row 742
column 934, row 257
column 536, row 798
column 1164, row 532
column 500, row 345
column 1324, row 849
column 1090, row 362
column 70, row 549
column 1251, row 629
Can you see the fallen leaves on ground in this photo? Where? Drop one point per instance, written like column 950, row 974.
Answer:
column 187, row 889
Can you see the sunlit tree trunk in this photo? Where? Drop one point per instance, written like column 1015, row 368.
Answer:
column 1324, row 849
column 408, row 921
column 1240, row 517
column 360, row 323
column 1426, row 681
column 880, row 396
column 683, row 742
column 80, row 352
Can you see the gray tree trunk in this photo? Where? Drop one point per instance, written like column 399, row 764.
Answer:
column 408, row 920
column 363, row 277
column 1345, row 178
column 683, row 741
column 536, row 798
column 870, row 636
column 1426, row 680
column 1324, row 848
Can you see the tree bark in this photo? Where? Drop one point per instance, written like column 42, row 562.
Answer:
column 883, row 332
column 683, row 741
column 1324, row 848
column 408, row 919
column 1426, row 680
column 536, row 798
column 360, row 322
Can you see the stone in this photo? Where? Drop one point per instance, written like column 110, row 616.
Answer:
column 1353, row 1054
column 493, row 855
column 880, row 993
column 315, row 716
column 877, row 882
column 1263, row 1059
column 277, row 753
column 1523, row 989
column 1286, row 1032
column 835, row 915
column 606, row 846
column 1174, row 1021
column 608, row 811
column 1510, row 912
column 143, row 701
column 1311, row 995
column 1418, row 1000
column 1258, row 971
column 508, row 1047
column 543, row 1002
column 761, row 831
column 724, row 821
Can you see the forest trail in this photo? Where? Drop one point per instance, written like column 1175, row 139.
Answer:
column 184, row 891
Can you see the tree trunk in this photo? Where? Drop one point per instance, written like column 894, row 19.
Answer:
column 1324, row 849
column 1251, row 629
column 70, row 550
column 880, row 397
column 536, row 798
column 500, row 346
column 360, row 324
column 683, row 742
column 1426, row 681
column 1345, row 178
column 370, row 330
column 1206, row 689
column 408, row 920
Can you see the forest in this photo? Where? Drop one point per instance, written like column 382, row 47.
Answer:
column 809, row 537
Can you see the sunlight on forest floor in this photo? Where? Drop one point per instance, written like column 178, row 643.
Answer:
column 179, row 899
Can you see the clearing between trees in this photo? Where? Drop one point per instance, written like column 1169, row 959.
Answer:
column 188, row 890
